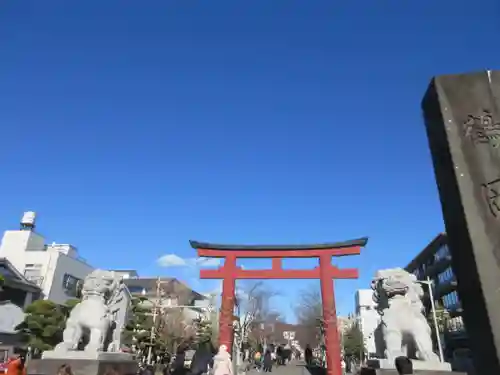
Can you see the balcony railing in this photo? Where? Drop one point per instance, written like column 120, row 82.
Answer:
column 37, row 280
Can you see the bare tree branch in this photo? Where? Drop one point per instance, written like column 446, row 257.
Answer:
column 309, row 312
column 309, row 309
column 253, row 305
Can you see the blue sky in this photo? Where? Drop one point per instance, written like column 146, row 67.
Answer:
column 134, row 126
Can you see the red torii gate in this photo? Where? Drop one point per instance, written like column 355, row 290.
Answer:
column 230, row 272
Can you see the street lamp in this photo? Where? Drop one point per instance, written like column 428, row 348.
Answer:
column 429, row 284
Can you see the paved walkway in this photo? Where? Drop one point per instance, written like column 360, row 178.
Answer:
column 293, row 368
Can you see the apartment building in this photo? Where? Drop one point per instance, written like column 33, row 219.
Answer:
column 56, row 268
column 433, row 263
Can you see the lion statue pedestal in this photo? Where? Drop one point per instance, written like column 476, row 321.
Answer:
column 92, row 338
column 404, row 329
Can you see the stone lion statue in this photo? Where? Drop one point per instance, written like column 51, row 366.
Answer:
column 403, row 324
column 95, row 324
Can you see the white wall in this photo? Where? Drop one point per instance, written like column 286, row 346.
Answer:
column 71, row 267
column 45, row 265
column 16, row 243
column 368, row 318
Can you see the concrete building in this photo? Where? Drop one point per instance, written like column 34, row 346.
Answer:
column 167, row 294
column 367, row 318
column 15, row 294
column 56, row 268
column 434, row 262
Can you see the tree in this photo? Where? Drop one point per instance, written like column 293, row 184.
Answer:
column 43, row 325
column 203, row 328
column 137, row 331
column 174, row 330
column 309, row 310
column 442, row 320
column 309, row 313
column 353, row 343
column 252, row 305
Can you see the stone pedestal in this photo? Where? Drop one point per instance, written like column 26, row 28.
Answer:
column 82, row 363
column 386, row 367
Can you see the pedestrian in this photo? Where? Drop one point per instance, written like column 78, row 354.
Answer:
column 15, row 366
column 279, row 355
column 222, row 362
column 273, row 356
column 404, row 365
column 308, row 354
column 202, row 359
column 268, row 361
column 257, row 360
column 178, row 363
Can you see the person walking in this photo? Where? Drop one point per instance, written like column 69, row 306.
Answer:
column 15, row 366
column 177, row 367
column 308, row 354
column 222, row 362
column 257, row 360
column 202, row 358
column 268, row 361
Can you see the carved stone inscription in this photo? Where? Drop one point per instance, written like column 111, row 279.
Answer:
column 491, row 193
column 482, row 129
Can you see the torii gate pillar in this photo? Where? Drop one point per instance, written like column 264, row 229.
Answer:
column 230, row 272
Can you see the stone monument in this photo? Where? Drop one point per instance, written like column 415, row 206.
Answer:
column 462, row 117
column 92, row 338
column 404, row 328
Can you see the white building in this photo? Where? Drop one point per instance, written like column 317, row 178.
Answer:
column 56, row 268
column 368, row 318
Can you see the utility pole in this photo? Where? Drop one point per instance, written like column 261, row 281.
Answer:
column 156, row 306
column 429, row 284
column 434, row 317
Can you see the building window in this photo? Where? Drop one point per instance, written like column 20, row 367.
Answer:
column 442, row 252
column 4, row 355
column 136, row 289
column 33, row 273
column 451, row 301
column 5, row 272
column 456, row 324
column 72, row 285
column 421, row 271
column 33, row 265
column 446, row 275
column 32, row 270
